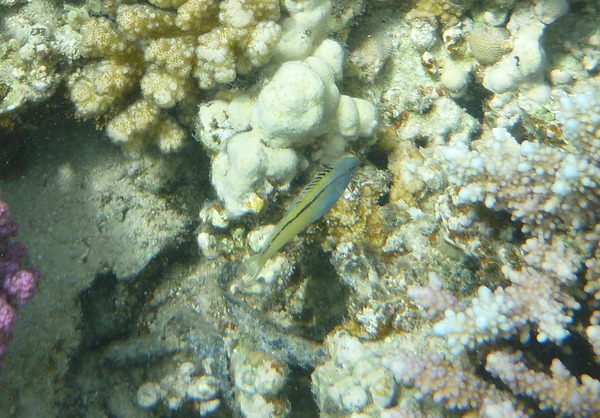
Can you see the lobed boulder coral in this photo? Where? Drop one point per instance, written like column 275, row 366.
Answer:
column 256, row 138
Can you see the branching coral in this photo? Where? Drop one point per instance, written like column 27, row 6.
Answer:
column 559, row 391
column 535, row 297
column 158, row 53
column 540, row 185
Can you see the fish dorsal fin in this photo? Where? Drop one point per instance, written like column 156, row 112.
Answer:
column 302, row 195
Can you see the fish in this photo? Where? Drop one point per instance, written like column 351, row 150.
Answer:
column 312, row 203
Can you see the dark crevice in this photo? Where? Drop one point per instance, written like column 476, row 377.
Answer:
column 378, row 157
column 111, row 309
column 325, row 297
column 474, row 101
column 298, row 391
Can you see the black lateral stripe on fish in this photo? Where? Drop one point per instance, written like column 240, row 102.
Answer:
column 312, row 203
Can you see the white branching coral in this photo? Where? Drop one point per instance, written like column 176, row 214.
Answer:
column 542, row 186
column 580, row 117
column 535, row 297
column 558, row 390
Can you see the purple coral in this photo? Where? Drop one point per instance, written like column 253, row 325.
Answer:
column 8, row 227
column 17, row 286
column 21, row 286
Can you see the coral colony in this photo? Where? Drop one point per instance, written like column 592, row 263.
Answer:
column 464, row 254
column 18, row 286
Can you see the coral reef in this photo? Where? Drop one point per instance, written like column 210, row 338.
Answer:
column 458, row 273
column 546, row 180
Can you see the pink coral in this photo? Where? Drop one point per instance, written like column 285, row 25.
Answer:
column 558, row 390
column 8, row 227
column 17, row 286
column 22, row 285
column 450, row 381
column 8, row 316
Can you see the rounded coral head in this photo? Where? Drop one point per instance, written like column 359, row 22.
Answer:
column 8, row 227
column 8, row 317
column 21, row 286
column 292, row 104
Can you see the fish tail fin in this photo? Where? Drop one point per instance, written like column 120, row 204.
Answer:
column 253, row 267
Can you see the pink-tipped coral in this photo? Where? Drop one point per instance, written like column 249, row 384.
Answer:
column 17, row 286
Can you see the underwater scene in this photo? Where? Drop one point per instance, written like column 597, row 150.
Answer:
column 299, row 208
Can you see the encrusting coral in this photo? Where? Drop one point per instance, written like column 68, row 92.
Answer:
column 185, row 384
column 259, row 382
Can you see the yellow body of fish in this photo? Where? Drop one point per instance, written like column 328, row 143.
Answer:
column 314, row 201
